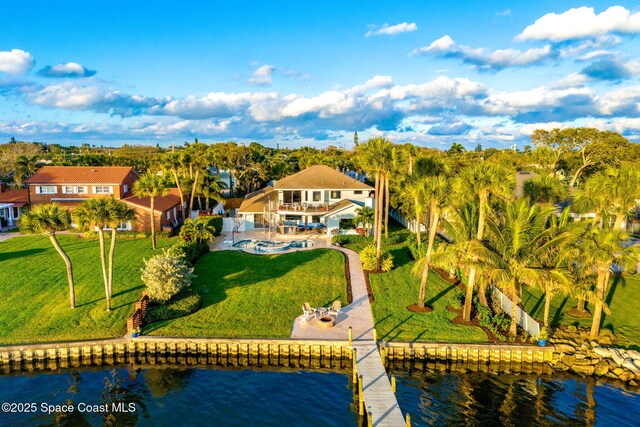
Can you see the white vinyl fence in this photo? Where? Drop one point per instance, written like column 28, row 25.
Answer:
column 523, row 319
column 409, row 224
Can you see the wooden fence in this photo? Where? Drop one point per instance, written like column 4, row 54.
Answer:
column 136, row 320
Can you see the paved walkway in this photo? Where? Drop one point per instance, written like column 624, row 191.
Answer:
column 378, row 397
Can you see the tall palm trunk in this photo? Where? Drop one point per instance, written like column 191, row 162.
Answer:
column 481, row 223
column 547, row 305
column 180, row 193
column 153, row 221
column 112, row 251
column 386, row 209
column 580, row 306
column 67, row 262
column 433, row 227
column 513, row 327
column 103, row 261
column 193, row 190
column 418, row 212
column 379, row 225
column 597, row 309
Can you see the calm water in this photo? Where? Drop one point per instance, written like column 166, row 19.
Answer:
column 189, row 396
column 485, row 399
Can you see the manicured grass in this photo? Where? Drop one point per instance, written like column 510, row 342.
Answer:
column 398, row 288
column 258, row 296
column 622, row 299
column 34, row 303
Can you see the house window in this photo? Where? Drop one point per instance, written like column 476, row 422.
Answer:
column 102, row 189
column 335, row 194
column 46, row 189
column 126, row 188
column 168, row 215
column 357, row 192
column 316, row 196
column 67, row 190
column 81, row 189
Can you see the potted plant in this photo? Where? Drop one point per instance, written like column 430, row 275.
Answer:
column 135, row 333
column 542, row 337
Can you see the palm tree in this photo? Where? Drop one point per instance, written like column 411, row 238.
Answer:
column 517, row 242
column 212, row 187
column 544, row 189
column 563, row 257
column 197, row 165
column 616, row 190
column 437, row 190
column 374, row 157
column 197, row 230
column 48, row 219
column 481, row 182
column 600, row 249
column 172, row 162
column 119, row 213
column 94, row 213
column 365, row 216
column 151, row 185
column 25, row 167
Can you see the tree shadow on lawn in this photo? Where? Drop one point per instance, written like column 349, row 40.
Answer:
column 6, row 256
column 439, row 295
column 617, row 280
column 117, row 294
column 221, row 271
column 400, row 256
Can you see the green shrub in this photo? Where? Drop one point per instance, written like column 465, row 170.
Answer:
column 456, row 301
column 368, row 258
column 182, row 304
column 496, row 323
column 190, row 251
column 345, row 239
column 165, row 275
column 127, row 235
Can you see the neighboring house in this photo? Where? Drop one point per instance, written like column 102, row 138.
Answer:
column 167, row 212
column 318, row 197
column 12, row 203
column 69, row 186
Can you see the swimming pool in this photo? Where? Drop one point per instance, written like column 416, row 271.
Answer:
column 271, row 246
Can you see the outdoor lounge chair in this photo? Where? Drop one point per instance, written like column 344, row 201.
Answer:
column 308, row 313
column 335, row 309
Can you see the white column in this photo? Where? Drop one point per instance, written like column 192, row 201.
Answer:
column 10, row 215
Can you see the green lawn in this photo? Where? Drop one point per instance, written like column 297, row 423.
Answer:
column 258, row 296
column 398, row 288
column 35, row 294
column 622, row 299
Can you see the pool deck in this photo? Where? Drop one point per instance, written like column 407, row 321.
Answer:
column 226, row 241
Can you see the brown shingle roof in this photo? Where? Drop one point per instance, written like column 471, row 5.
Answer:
column 259, row 200
column 320, row 177
column 15, row 196
column 342, row 204
column 233, row 202
column 81, row 174
column 161, row 203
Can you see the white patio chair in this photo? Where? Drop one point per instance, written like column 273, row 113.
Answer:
column 308, row 313
column 335, row 309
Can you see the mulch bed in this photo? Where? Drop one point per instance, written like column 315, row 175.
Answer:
column 415, row 308
column 369, row 291
column 574, row 312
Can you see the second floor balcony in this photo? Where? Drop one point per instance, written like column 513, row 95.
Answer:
column 303, row 207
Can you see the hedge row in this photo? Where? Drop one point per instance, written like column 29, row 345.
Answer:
column 182, row 304
column 191, row 251
column 126, row 234
column 345, row 239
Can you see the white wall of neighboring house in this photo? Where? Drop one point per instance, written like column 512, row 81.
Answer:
column 228, row 224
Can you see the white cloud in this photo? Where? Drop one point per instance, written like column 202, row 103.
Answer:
column 392, row 30
column 67, row 96
column 68, row 70
column 505, row 12
column 263, row 76
column 446, row 47
column 15, row 61
column 582, row 22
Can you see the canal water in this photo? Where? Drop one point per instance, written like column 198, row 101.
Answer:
column 490, row 399
column 169, row 396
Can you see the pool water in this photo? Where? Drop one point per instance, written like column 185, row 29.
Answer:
column 271, row 246
column 184, row 396
column 482, row 398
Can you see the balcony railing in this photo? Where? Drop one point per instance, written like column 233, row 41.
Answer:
column 303, row 207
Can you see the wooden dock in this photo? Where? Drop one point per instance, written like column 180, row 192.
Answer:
column 379, row 399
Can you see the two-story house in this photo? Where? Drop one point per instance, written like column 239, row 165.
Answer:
column 12, row 203
column 318, row 197
column 69, row 186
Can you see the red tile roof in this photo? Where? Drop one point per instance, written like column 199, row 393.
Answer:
column 81, row 175
column 14, row 196
column 161, row 203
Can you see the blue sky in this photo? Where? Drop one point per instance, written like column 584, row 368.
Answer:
column 303, row 73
